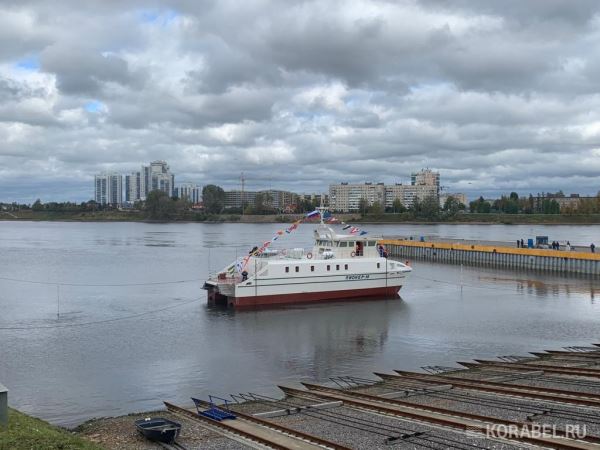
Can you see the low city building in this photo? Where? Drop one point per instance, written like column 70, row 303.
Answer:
column 347, row 197
column 462, row 198
column 279, row 200
column 566, row 203
column 190, row 192
column 233, row 199
column 316, row 199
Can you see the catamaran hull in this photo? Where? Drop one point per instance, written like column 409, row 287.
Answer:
column 215, row 297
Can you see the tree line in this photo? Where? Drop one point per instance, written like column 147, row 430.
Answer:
column 427, row 208
column 548, row 204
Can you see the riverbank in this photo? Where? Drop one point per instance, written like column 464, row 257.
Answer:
column 462, row 407
column 404, row 218
column 25, row 433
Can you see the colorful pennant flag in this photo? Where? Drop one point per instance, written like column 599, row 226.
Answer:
column 241, row 265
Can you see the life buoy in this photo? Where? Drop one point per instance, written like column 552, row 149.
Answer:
column 309, row 255
column 353, row 254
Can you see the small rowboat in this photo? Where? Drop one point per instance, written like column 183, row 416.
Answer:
column 159, row 429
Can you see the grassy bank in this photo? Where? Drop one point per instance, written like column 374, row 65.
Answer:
column 27, row 433
column 189, row 216
column 140, row 216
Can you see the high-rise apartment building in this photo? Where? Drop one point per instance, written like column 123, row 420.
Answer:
column 189, row 191
column 156, row 176
column 425, row 177
column 108, row 189
column 132, row 187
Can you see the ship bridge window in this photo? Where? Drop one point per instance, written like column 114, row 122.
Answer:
column 372, row 243
column 312, row 268
column 328, row 268
column 297, row 269
column 337, row 267
column 343, row 244
column 345, row 266
column 287, row 270
column 378, row 265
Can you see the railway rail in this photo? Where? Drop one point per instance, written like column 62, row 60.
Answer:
column 546, row 394
column 390, row 434
column 443, row 416
column 281, row 437
column 591, row 373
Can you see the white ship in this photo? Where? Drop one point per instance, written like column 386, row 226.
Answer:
column 339, row 266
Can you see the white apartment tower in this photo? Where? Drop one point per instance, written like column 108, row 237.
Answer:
column 132, row 187
column 156, row 176
column 108, row 189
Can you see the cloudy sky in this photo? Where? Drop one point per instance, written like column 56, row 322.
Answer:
column 496, row 95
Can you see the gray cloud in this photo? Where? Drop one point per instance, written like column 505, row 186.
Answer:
column 497, row 95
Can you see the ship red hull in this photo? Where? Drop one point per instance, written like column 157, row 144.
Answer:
column 310, row 297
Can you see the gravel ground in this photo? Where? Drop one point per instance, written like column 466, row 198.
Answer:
column 319, row 425
column 373, row 428
column 512, row 408
column 564, row 363
column 591, row 386
column 120, row 433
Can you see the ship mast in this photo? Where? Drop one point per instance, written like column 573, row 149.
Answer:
column 322, row 209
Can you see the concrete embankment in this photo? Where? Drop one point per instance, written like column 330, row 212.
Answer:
column 496, row 254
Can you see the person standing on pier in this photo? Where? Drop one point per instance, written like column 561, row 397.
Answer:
column 518, row 243
column 593, row 248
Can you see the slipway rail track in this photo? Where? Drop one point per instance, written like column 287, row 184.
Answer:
column 261, row 431
column 467, row 422
column 553, row 395
column 550, row 400
column 592, row 373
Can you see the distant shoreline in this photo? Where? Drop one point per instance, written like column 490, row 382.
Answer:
column 387, row 219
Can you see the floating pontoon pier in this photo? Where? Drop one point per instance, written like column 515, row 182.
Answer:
column 500, row 255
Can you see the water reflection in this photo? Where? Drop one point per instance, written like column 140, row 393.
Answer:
column 68, row 375
column 548, row 285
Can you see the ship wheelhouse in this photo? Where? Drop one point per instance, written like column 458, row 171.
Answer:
column 330, row 245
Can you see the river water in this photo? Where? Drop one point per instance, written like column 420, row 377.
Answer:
column 125, row 341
